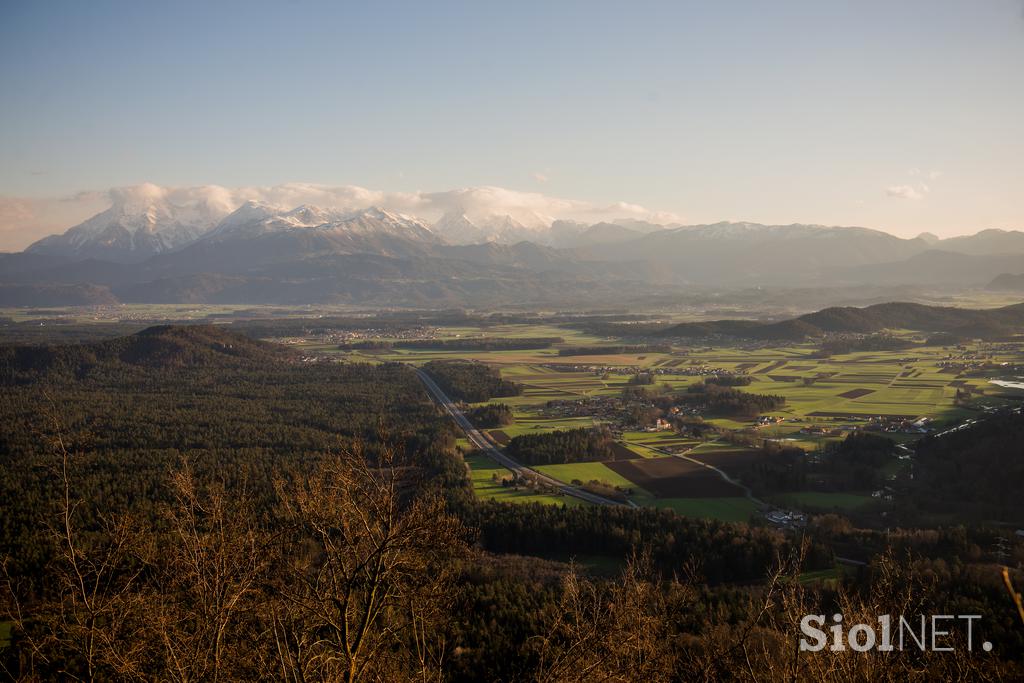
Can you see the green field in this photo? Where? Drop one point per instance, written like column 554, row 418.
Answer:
column 835, row 394
column 825, row 398
column 816, row 390
column 585, row 472
column 736, row 509
column 724, row 509
column 482, row 470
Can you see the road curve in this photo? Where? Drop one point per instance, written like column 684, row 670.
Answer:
column 484, row 444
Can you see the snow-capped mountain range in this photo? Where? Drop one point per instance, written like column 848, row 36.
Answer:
column 132, row 231
column 457, row 228
column 213, row 231
column 143, row 224
column 255, row 218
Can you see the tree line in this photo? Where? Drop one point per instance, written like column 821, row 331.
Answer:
column 727, row 400
column 584, row 444
column 470, row 381
column 490, row 415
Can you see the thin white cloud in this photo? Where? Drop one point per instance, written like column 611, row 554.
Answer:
column 22, row 221
column 540, row 176
column 907, row 191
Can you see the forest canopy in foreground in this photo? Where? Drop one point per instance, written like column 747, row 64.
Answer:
column 185, row 504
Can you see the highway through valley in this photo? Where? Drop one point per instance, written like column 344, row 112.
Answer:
column 479, row 440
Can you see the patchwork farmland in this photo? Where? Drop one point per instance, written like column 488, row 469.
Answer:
column 825, row 398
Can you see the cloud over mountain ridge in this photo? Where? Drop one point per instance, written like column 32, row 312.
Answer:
column 24, row 221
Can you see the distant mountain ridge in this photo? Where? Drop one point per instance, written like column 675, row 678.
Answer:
column 1007, row 282
column 150, row 244
column 870, row 319
column 148, row 222
column 935, row 266
column 254, row 219
column 135, row 227
column 758, row 254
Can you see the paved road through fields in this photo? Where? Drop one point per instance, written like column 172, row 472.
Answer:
column 478, row 439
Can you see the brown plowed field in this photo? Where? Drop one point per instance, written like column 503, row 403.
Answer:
column 856, row 393
column 729, row 461
column 769, row 368
column 620, row 452
column 500, row 437
column 672, row 477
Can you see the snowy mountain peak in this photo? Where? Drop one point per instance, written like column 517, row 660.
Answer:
column 503, row 223
column 456, row 227
column 378, row 220
column 251, row 218
column 147, row 219
column 254, row 209
column 141, row 221
column 254, row 219
column 381, row 214
column 311, row 216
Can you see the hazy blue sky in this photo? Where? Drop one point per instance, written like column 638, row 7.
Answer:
column 904, row 115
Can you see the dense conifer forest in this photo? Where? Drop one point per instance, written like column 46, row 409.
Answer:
column 584, row 444
column 186, row 504
column 724, row 399
column 470, row 382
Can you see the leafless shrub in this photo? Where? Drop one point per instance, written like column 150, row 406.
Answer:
column 367, row 581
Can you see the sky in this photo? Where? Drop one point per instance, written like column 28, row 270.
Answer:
column 902, row 116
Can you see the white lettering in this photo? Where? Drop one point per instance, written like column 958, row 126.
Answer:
column 970, row 629
column 869, row 638
column 906, row 627
column 885, row 621
column 837, row 634
column 936, row 632
column 811, row 631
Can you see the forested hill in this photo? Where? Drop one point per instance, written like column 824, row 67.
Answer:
column 894, row 315
column 974, row 473
column 163, row 346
